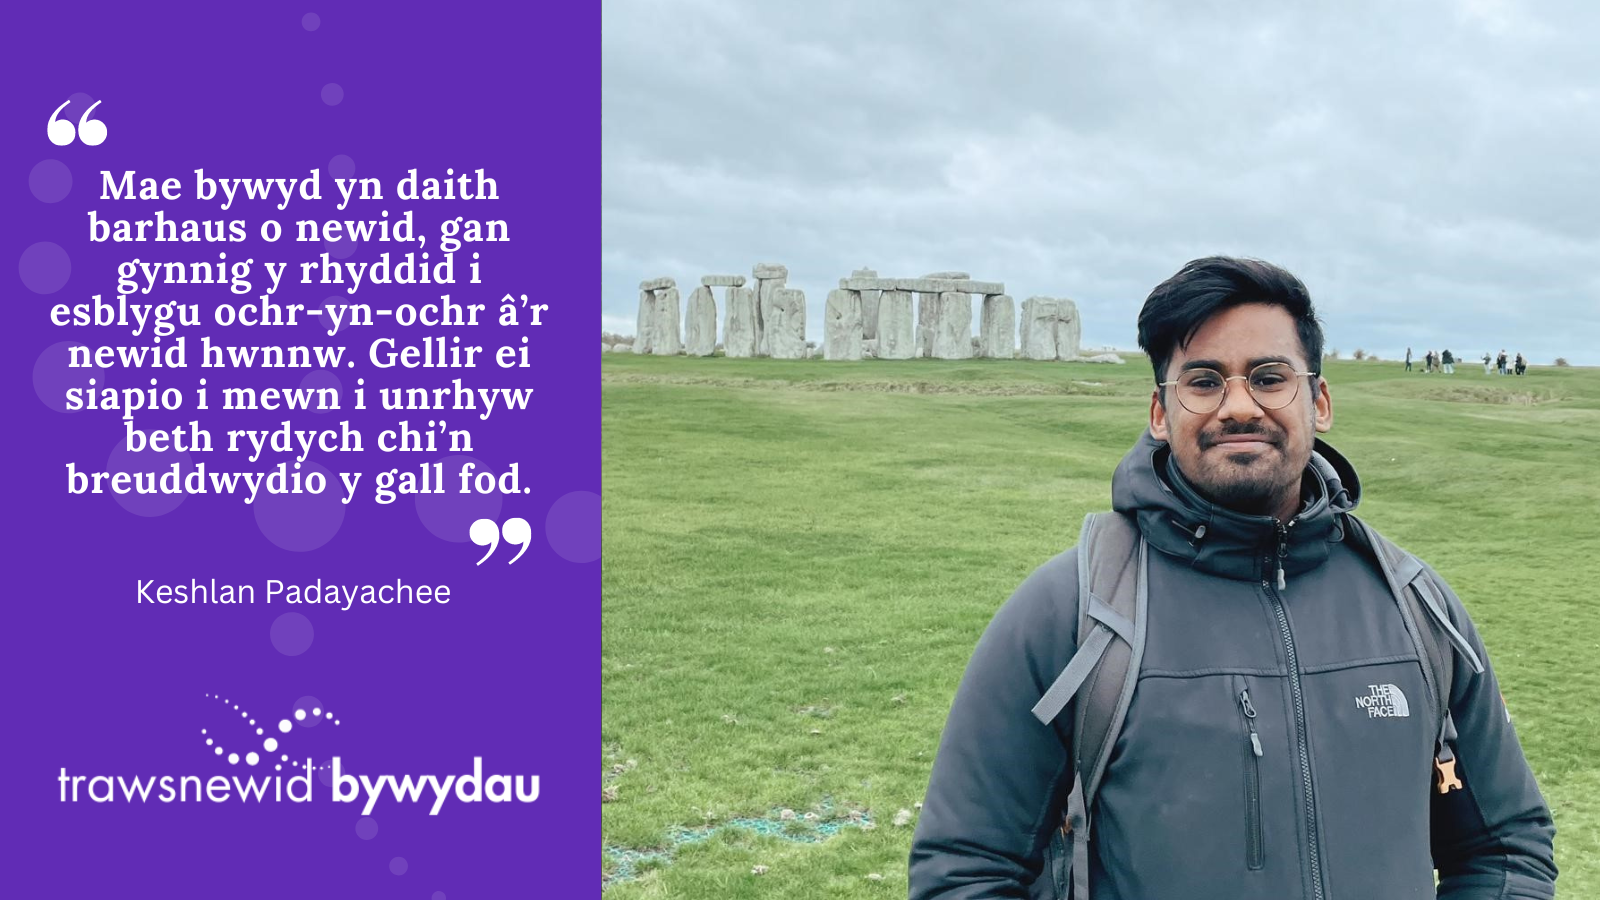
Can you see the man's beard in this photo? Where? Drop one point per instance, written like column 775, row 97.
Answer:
column 1251, row 483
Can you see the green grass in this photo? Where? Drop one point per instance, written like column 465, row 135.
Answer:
column 800, row 555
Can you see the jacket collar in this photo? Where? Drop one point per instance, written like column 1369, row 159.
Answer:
column 1177, row 521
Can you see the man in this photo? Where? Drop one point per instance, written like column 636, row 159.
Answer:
column 1449, row 362
column 1408, row 359
column 1280, row 738
column 1500, row 361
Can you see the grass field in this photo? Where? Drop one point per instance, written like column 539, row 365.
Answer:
column 799, row 557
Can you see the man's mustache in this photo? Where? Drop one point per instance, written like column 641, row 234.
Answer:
column 1208, row 441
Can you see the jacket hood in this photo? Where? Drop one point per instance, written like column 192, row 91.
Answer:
column 1177, row 521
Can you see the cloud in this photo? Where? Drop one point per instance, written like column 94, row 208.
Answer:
column 1426, row 168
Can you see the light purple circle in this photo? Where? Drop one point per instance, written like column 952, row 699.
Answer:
column 324, row 323
column 310, row 721
column 44, row 267
column 77, row 105
column 304, row 521
column 53, row 376
column 438, row 895
column 450, row 515
column 311, row 21
column 342, row 248
column 573, row 526
column 398, row 865
column 319, row 380
column 292, row 633
column 149, row 463
column 366, row 828
column 342, row 166
column 50, row 180
column 332, row 94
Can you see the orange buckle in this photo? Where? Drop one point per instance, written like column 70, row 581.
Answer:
column 1445, row 778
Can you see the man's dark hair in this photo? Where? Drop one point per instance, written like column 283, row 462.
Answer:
column 1177, row 308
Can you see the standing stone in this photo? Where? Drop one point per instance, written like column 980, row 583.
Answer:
column 666, row 340
column 739, row 330
column 997, row 328
column 869, row 306
column 927, row 323
column 700, row 323
column 785, row 327
column 841, row 328
column 645, row 327
column 896, row 326
column 1050, row 328
column 769, row 277
column 953, row 332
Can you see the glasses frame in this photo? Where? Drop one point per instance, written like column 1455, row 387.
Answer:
column 1223, row 397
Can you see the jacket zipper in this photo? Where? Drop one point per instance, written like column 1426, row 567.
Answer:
column 1254, row 851
column 1299, row 713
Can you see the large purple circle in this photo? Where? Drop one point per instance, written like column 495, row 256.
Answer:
column 148, row 462
column 311, row 21
column 324, row 323
column 340, row 249
column 366, row 828
column 50, row 181
column 332, row 94
column 304, row 521
column 398, row 865
column 450, row 515
column 573, row 526
column 292, row 634
column 53, row 376
column 44, row 267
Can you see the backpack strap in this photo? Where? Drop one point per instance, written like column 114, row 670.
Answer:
column 1112, row 599
column 1432, row 633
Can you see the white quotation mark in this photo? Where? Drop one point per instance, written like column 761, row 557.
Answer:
column 485, row 533
column 90, row 131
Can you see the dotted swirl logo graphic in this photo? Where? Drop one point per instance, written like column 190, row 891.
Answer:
column 307, row 712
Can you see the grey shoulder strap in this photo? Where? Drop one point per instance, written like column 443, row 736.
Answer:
column 1112, row 600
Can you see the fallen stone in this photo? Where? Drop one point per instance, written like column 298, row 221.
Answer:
column 739, row 328
column 770, row 270
column 948, row 275
column 700, row 323
column 621, row 348
column 997, row 327
column 645, row 326
column 952, row 334
column 1105, row 358
column 657, row 284
column 722, row 281
column 841, row 326
column 667, row 341
column 869, row 349
column 897, row 337
column 785, row 324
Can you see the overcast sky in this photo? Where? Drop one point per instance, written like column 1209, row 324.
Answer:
column 1428, row 169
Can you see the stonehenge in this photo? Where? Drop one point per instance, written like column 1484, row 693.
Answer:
column 867, row 316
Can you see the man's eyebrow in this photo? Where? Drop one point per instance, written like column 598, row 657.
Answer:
column 1216, row 365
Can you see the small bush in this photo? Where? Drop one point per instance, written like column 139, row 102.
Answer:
column 1562, row 361
column 1331, row 354
column 1359, row 354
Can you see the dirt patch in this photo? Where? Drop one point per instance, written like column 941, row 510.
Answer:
column 1496, row 396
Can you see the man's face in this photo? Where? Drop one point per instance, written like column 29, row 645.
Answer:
column 1243, row 456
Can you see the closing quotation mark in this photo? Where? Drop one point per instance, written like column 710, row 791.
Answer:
column 485, row 533
column 90, row 131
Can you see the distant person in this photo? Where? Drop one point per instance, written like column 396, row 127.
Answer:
column 1449, row 363
column 1284, row 723
column 1408, row 359
column 1427, row 364
column 1500, row 361
column 1488, row 363
column 1522, row 364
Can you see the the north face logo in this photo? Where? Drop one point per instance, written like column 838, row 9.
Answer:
column 1384, row 701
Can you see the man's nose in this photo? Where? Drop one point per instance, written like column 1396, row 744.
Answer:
column 1238, row 403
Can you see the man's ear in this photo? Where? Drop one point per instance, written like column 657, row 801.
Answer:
column 1158, row 417
column 1322, row 407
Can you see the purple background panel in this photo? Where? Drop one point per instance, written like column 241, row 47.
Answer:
column 120, row 689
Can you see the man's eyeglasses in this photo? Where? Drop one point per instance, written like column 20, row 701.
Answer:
column 1273, row 385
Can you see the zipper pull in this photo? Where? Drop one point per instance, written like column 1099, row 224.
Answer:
column 1281, row 583
column 1249, row 720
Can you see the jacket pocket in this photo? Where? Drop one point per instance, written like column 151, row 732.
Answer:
column 1255, row 850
